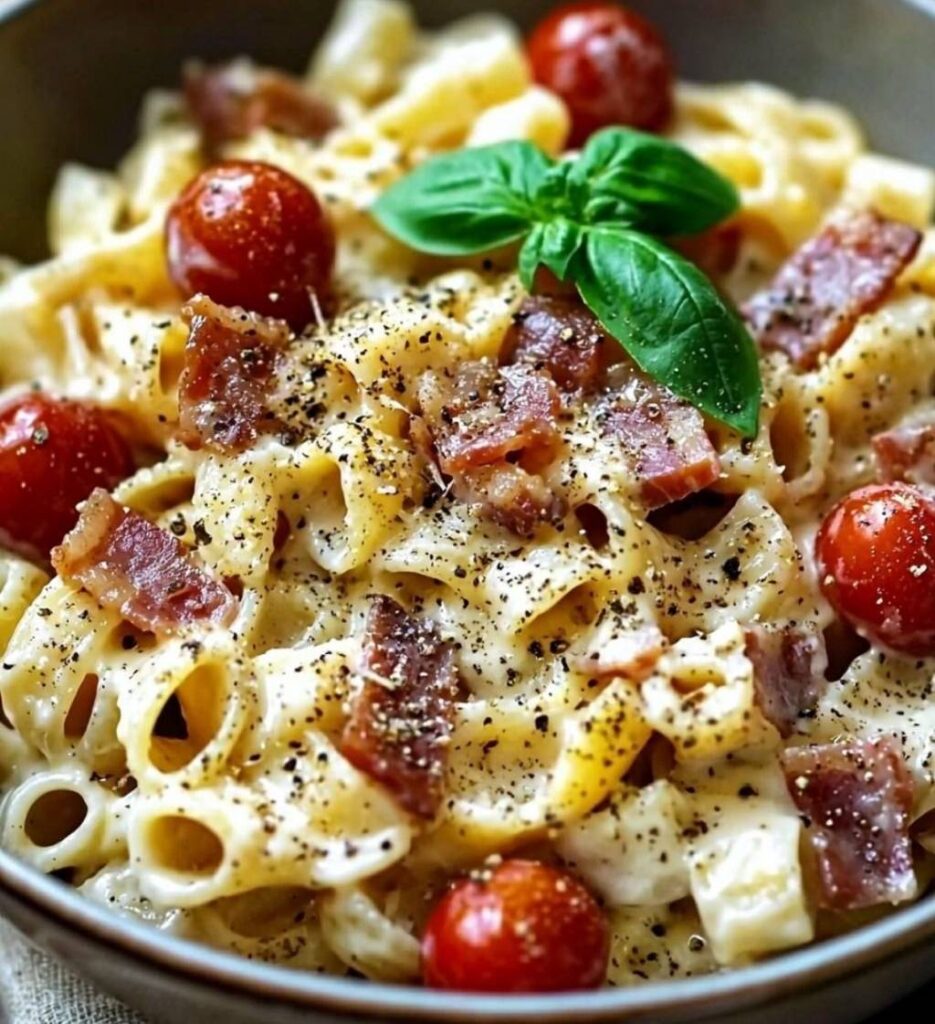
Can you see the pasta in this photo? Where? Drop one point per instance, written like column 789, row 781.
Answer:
column 199, row 779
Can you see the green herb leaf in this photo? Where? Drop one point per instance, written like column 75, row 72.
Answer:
column 554, row 245
column 668, row 316
column 646, row 182
column 466, row 201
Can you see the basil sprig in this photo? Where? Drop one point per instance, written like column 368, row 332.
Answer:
column 594, row 220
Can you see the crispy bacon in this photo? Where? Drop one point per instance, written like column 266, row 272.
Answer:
column 561, row 336
column 228, row 375
column 479, row 415
column 817, row 297
column 229, row 101
column 508, row 495
column 133, row 567
column 788, row 672
column 907, row 453
column 401, row 721
column 856, row 799
column 663, row 438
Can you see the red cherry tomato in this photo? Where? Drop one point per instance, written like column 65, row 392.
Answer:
column 609, row 65
column 876, row 559
column 524, row 927
column 53, row 453
column 248, row 234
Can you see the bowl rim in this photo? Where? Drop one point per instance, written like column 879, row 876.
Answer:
column 786, row 974
column 812, row 966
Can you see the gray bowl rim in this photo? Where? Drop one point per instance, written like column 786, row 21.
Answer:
column 810, row 967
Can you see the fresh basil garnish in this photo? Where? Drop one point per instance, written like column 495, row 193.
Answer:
column 591, row 220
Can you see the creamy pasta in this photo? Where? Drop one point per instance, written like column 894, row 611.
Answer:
column 610, row 717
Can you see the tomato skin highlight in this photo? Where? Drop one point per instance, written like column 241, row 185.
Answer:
column 522, row 927
column 248, row 234
column 608, row 63
column 53, row 453
column 876, row 561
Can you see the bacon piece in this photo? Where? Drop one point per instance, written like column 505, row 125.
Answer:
column 399, row 727
column 480, row 414
column 622, row 649
column 663, row 438
column 788, row 672
column 131, row 566
column 817, row 297
column 714, row 251
column 228, row 375
column 229, row 101
column 563, row 337
column 856, row 798
column 907, row 453
column 508, row 495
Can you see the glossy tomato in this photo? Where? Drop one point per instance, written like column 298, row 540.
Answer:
column 609, row 65
column 53, row 453
column 249, row 234
column 520, row 927
column 876, row 559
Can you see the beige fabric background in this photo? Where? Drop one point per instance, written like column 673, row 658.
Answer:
column 38, row 990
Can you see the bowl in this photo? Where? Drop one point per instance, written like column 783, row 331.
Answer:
column 71, row 75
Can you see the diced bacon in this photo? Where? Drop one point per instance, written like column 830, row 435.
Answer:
column 228, row 375
column 907, row 453
column 508, row 495
column 561, row 336
column 402, row 717
column 817, row 297
column 714, row 251
column 229, row 101
column 662, row 437
column 856, row 799
column 133, row 567
column 622, row 650
column 479, row 415
column 788, row 672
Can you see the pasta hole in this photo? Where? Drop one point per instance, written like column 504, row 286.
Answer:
column 55, row 816
column 593, row 525
column 189, row 719
column 844, row 645
column 171, row 362
column 4, row 717
column 82, row 707
column 694, row 516
column 266, row 912
column 185, row 845
column 788, row 439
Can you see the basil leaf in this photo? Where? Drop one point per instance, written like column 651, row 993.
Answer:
column 466, row 201
column 648, row 183
column 554, row 245
column 669, row 317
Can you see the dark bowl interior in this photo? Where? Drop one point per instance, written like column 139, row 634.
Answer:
column 72, row 73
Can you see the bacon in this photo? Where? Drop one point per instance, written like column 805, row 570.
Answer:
column 401, row 721
column 480, row 415
column 617, row 649
column 663, row 438
column 228, row 375
column 561, row 336
column 133, row 567
column 788, row 672
column 508, row 495
column 229, row 101
column 817, row 297
column 907, row 453
column 856, row 799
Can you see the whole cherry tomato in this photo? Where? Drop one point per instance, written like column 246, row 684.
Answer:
column 521, row 927
column 609, row 65
column 249, row 234
column 53, row 453
column 876, row 559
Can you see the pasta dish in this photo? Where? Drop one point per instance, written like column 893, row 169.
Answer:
column 467, row 519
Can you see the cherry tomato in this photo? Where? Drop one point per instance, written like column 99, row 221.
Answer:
column 609, row 65
column 876, row 557
column 521, row 927
column 248, row 234
column 53, row 453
